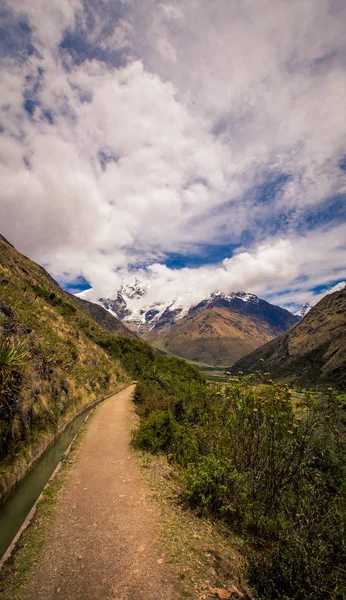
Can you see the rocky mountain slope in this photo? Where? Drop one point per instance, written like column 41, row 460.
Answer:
column 221, row 329
column 50, row 365
column 103, row 317
column 217, row 331
column 312, row 353
column 129, row 304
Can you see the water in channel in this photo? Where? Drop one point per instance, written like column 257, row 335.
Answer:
column 20, row 502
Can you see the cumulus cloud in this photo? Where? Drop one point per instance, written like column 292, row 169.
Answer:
column 48, row 20
column 321, row 263
column 255, row 270
column 135, row 130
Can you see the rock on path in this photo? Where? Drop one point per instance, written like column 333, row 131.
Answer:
column 103, row 542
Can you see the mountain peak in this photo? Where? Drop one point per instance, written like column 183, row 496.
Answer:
column 313, row 353
column 245, row 296
column 136, row 289
column 305, row 308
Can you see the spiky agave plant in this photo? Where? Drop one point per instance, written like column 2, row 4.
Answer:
column 13, row 356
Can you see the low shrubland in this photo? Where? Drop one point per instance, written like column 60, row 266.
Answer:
column 270, row 466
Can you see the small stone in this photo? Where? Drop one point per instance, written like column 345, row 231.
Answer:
column 236, row 592
column 159, row 561
column 220, row 593
column 140, row 549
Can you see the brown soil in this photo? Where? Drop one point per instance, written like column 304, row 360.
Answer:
column 104, row 542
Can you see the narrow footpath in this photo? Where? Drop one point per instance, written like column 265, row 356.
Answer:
column 103, row 544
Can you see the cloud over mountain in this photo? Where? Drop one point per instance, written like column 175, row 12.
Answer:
column 134, row 131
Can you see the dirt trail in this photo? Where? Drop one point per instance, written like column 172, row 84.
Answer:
column 103, row 542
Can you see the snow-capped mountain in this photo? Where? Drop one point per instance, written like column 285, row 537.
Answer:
column 305, row 308
column 313, row 353
column 221, row 328
column 228, row 298
column 217, row 330
column 128, row 305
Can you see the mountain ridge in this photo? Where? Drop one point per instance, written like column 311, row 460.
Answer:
column 312, row 352
column 221, row 329
column 103, row 317
column 218, row 330
column 156, row 314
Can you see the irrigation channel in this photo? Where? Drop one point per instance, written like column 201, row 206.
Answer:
column 18, row 505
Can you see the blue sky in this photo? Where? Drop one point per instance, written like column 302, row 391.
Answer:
column 198, row 145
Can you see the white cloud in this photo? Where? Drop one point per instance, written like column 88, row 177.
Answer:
column 166, row 50
column 219, row 97
column 254, row 270
column 50, row 19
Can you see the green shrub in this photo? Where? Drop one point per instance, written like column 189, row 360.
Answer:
column 270, row 467
column 156, row 433
column 13, row 356
column 214, row 484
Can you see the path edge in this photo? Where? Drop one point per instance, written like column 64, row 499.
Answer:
column 32, row 512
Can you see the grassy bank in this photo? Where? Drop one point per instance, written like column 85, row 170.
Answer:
column 50, row 367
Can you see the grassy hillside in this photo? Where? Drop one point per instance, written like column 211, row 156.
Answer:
column 312, row 353
column 49, row 365
column 216, row 336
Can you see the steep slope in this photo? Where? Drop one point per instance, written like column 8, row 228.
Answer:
column 311, row 353
column 221, row 329
column 103, row 317
column 304, row 309
column 50, row 367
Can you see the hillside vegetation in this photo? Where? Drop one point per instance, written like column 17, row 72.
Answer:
column 312, row 353
column 270, row 467
column 56, row 359
column 49, row 366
